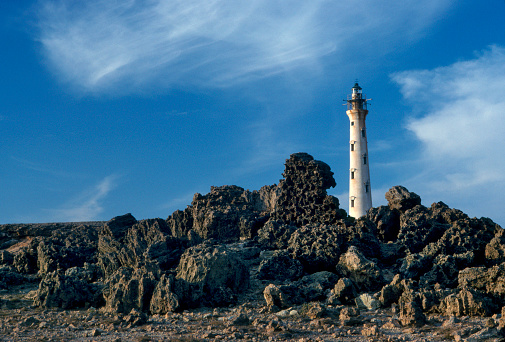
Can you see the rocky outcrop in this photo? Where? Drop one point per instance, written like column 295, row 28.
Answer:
column 317, row 247
column 364, row 273
column 309, row 288
column 210, row 275
column 289, row 243
column 401, row 199
column 227, row 213
column 129, row 289
column 145, row 242
column 302, row 197
column 280, row 266
column 67, row 291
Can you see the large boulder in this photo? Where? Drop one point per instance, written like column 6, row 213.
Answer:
column 164, row 298
column 490, row 281
column 310, row 288
column 226, row 213
column 417, row 229
column 410, row 307
column 147, row 241
column 280, row 266
column 387, row 221
column 400, row 198
column 344, row 292
column 302, row 197
column 211, row 275
column 318, row 247
column 275, row 235
column 364, row 273
column 66, row 291
column 129, row 289
column 468, row 302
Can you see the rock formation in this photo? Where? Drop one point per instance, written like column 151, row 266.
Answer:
column 290, row 243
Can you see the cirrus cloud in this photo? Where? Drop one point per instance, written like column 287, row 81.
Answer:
column 102, row 45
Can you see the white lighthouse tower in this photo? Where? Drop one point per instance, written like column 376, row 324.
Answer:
column 360, row 193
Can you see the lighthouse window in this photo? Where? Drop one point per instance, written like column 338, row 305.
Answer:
column 364, row 159
column 367, row 186
column 352, row 203
column 363, row 133
column 352, row 147
column 352, row 174
column 352, row 123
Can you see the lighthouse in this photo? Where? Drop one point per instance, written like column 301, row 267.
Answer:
column 360, row 193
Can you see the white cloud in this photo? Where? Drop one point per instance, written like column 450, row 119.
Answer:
column 88, row 205
column 461, row 127
column 101, row 45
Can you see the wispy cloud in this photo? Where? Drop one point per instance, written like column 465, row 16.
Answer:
column 460, row 122
column 88, row 205
column 100, row 45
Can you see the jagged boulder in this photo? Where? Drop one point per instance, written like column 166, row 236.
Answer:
column 226, row 213
column 308, row 289
column 129, row 289
column 410, row 307
column 364, row 273
column 468, row 302
column 275, row 235
column 400, row 198
column 118, row 226
column 417, row 229
column 164, row 298
column 318, row 247
column 466, row 235
column 495, row 249
column 66, row 292
column 211, row 275
column 391, row 292
column 280, row 266
column 490, row 281
column 6, row 258
column 344, row 292
column 387, row 221
column 415, row 265
column 147, row 241
column 302, row 197
column 445, row 268
column 9, row 277
column 25, row 260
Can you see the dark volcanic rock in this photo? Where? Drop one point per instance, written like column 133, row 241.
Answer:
column 302, row 196
column 317, row 247
column 275, row 235
column 468, row 302
column 344, row 292
column 164, row 299
column 9, row 277
column 310, row 288
column 280, row 266
column 411, row 312
column 227, row 213
column 147, row 241
column 400, row 198
column 387, row 221
column 210, row 275
column 129, row 289
column 364, row 273
column 66, row 292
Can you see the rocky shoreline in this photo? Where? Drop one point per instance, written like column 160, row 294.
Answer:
column 280, row 263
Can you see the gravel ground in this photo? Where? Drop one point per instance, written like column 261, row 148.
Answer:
column 19, row 321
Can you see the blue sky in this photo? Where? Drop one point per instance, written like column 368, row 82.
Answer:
column 109, row 107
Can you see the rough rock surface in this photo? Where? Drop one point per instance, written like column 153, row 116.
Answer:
column 283, row 262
